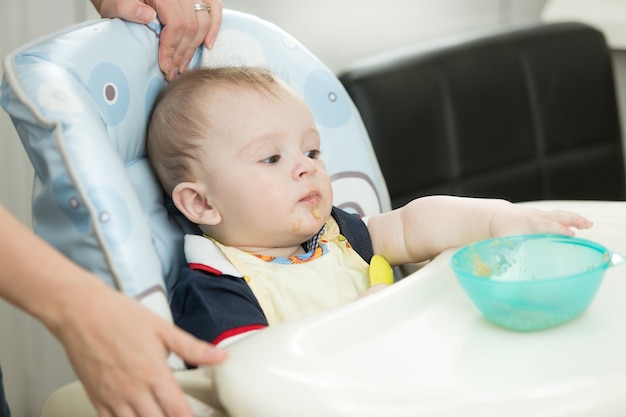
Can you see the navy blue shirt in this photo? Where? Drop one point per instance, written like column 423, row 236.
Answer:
column 215, row 309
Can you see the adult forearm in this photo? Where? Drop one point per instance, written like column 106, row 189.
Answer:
column 34, row 276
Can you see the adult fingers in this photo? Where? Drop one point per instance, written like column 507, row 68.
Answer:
column 174, row 20
column 133, row 11
column 148, row 391
column 171, row 401
column 216, row 22
column 204, row 19
column 162, row 402
column 193, row 350
column 184, row 29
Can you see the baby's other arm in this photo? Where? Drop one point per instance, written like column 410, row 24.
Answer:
column 428, row 225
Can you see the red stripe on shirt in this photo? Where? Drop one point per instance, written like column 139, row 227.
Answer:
column 237, row 331
column 203, row 267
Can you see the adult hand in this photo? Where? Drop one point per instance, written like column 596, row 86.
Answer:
column 118, row 349
column 184, row 28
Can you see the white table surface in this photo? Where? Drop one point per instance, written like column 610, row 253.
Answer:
column 420, row 348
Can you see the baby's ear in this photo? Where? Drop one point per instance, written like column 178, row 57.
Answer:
column 192, row 200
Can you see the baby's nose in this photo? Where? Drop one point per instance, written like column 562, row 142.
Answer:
column 305, row 166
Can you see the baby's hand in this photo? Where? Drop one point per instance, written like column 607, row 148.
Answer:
column 517, row 220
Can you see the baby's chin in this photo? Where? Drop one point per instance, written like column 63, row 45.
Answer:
column 306, row 232
column 309, row 222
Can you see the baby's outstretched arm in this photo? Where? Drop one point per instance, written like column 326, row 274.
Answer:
column 428, row 225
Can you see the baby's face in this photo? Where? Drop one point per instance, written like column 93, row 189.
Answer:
column 266, row 176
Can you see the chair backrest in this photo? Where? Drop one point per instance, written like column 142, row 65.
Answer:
column 523, row 113
column 80, row 100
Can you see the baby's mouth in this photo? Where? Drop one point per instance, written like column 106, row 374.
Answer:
column 314, row 200
column 311, row 198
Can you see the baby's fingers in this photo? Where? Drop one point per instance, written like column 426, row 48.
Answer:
column 561, row 221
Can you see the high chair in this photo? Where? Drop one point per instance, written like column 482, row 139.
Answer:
column 80, row 99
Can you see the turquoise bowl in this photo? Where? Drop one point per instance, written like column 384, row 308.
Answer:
column 532, row 282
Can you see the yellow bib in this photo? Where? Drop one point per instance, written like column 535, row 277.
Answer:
column 290, row 291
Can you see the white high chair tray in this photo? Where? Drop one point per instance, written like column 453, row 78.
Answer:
column 420, row 348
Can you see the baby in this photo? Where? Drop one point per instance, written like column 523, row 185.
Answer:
column 238, row 151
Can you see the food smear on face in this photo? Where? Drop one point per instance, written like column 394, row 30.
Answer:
column 316, row 212
column 295, row 224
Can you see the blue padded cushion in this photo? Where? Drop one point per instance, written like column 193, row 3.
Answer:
column 80, row 100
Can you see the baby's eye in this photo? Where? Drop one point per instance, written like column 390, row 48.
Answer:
column 271, row 159
column 313, row 153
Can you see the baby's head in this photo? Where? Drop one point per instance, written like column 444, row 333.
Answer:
column 238, row 151
column 181, row 122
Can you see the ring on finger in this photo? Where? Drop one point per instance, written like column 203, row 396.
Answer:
column 201, row 7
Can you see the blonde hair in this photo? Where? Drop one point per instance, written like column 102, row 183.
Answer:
column 180, row 122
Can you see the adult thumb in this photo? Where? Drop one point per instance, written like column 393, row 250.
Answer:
column 132, row 11
column 143, row 13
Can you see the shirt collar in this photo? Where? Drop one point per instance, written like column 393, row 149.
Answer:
column 313, row 242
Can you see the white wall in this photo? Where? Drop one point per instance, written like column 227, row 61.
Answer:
column 338, row 31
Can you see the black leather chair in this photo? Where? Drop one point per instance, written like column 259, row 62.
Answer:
column 526, row 113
